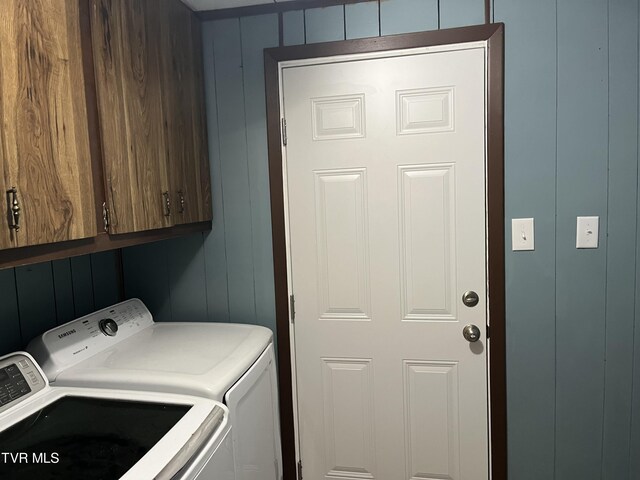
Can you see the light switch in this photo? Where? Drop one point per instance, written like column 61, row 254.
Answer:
column 587, row 232
column 522, row 234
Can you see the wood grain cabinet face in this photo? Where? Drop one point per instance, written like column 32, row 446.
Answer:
column 184, row 116
column 151, row 114
column 126, row 53
column 44, row 140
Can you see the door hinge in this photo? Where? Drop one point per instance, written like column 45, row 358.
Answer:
column 488, row 331
column 292, row 308
column 284, row 132
column 300, row 470
column 105, row 216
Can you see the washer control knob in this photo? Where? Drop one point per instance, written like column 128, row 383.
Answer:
column 108, row 326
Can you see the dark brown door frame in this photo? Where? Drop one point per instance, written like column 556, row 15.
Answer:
column 494, row 35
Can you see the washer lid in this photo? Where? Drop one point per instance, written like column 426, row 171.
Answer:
column 121, row 347
column 193, row 358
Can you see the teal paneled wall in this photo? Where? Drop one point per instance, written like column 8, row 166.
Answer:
column 571, row 148
column 530, row 191
column 38, row 297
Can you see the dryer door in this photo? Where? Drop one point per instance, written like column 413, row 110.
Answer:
column 253, row 403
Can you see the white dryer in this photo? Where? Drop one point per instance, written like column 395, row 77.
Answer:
column 122, row 347
column 71, row 432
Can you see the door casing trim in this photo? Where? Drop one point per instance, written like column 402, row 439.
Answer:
column 493, row 34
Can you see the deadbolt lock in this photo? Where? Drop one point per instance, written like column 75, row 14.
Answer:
column 470, row 298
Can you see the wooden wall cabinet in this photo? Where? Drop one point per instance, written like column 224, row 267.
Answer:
column 184, row 113
column 44, row 139
column 100, row 100
column 148, row 67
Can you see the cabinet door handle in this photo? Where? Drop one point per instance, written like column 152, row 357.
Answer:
column 14, row 209
column 181, row 197
column 167, row 204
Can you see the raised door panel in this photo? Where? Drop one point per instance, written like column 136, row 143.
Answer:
column 184, row 124
column 44, row 140
column 125, row 37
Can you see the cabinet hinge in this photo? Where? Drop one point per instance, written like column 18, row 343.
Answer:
column 284, row 132
column 300, row 470
column 14, row 209
column 105, row 216
column 292, row 308
column 488, row 331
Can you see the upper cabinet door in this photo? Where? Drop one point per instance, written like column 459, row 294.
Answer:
column 44, row 140
column 126, row 47
column 184, row 113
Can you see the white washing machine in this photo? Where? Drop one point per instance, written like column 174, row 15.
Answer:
column 122, row 347
column 71, row 432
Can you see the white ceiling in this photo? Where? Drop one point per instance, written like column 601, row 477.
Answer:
column 218, row 4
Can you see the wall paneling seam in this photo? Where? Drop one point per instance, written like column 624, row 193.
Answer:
column 555, row 266
column 635, row 414
column 304, row 24
column 55, row 296
column 15, row 285
column 246, row 140
column 606, row 251
column 221, row 215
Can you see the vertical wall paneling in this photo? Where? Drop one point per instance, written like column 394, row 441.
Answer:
column 458, row 13
column 634, row 460
column 404, row 16
column 63, row 288
column 10, row 337
column 634, row 441
column 580, row 274
column 258, row 33
column 104, row 269
column 361, row 20
column 234, row 169
column 530, row 168
column 81, row 277
column 187, row 279
column 146, row 277
column 36, row 299
column 293, row 27
column 621, row 240
column 215, row 254
column 324, row 24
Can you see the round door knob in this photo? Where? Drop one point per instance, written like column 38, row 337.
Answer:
column 471, row 333
column 470, row 298
column 108, row 327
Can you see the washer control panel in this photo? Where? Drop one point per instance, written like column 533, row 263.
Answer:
column 79, row 339
column 20, row 378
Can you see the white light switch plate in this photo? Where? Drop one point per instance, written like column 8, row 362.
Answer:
column 522, row 234
column 587, row 232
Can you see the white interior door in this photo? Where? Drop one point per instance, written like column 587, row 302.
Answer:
column 385, row 174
